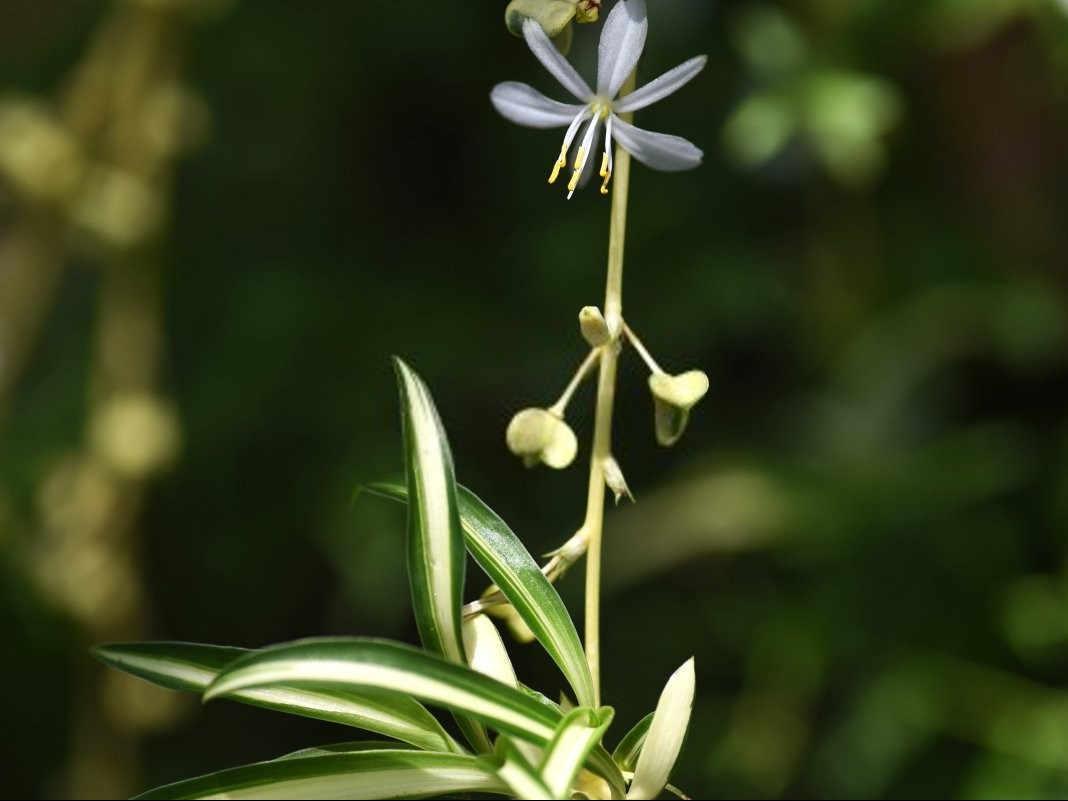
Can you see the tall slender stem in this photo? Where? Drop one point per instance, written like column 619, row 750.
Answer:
column 593, row 526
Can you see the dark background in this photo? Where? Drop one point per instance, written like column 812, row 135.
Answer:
column 861, row 537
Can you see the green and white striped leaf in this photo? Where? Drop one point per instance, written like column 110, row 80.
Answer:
column 368, row 664
column 366, row 774
column 510, row 566
column 576, row 736
column 435, row 539
column 362, row 664
column 192, row 668
column 517, row 772
column 666, row 733
column 626, row 753
column 350, row 747
column 486, row 652
column 436, row 558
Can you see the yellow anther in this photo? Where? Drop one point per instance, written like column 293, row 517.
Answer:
column 560, row 164
column 580, row 162
column 572, row 185
column 606, row 173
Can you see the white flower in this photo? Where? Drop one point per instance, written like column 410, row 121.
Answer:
column 622, row 42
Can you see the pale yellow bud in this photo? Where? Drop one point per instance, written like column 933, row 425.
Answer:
column 673, row 397
column 539, row 435
column 594, row 327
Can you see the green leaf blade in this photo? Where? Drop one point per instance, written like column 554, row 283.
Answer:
column 626, row 753
column 191, row 667
column 578, row 734
column 366, row 774
column 436, row 560
column 435, row 539
column 369, row 664
column 504, row 558
column 521, row 777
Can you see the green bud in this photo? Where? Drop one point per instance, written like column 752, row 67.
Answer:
column 554, row 16
column 673, row 397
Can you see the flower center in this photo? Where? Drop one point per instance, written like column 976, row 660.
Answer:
column 601, row 107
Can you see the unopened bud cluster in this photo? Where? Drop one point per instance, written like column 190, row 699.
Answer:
column 541, row 435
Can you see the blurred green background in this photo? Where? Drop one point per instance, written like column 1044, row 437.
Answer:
column 219, row 219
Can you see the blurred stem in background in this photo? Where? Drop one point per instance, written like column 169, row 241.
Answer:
column 95, row 174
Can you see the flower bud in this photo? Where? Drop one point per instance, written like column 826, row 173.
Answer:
column 554, row 16
column 587, row 11
column 539, row 435
column 594, row 327
column 673, row 397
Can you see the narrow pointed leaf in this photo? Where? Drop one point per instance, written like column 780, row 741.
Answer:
column 191, row 668
column 626, row 753
column 666, row 733
column 575, row 737
column 351, row 747
column 510, row 566
column 435, row 539
column 361, row 664
column 520, row 776
column 367, row 664
column 368, row 774
column 436, row 558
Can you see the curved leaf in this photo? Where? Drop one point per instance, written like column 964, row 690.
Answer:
column 510, row 566
column 435, row 541
column 626, row 753
column 369, row 664
column 575, row 737
column 376, row 664
column 517, row 772
column 367, row 774
column 350, row 747
column 191, row 668
column 436, row 558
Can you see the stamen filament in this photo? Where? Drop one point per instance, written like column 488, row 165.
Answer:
column 583, row 155
column 606, row 161
column 569, row 137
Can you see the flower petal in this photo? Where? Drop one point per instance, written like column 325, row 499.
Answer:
column 656, row 150
column 667, row 84
column 525, row 105
column 622, row 42
column 551, row 58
